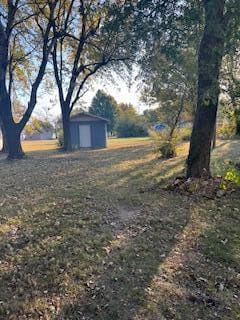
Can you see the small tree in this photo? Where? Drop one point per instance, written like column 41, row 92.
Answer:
column 170, row 83
column 105, row 106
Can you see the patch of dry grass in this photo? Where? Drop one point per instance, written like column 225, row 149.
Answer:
column 39, row 145
column 79, row 240
column 46, row 145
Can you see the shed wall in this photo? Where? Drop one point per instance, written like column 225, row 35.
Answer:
column 74, row 129
column 98, row 134
column 99, row 138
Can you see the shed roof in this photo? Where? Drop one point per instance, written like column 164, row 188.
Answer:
column 84, row 116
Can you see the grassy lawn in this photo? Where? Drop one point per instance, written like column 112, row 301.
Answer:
column 46, row 145
column 84, row 235
column 41, row 145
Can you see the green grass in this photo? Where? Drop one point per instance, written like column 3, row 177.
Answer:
column 84, row 235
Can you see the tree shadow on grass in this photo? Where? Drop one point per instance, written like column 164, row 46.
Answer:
column 98, row 271
column 123, row 286
column 226, row 148
column 63, row 246
column 99, row 188
column 72, row 257
column 119, row 288
column 221, row 242
column 225, row 153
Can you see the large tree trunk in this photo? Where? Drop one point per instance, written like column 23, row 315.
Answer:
column 238, row 128
column 237, row 117
column 209, row 64
column 13, row 136
column 67, row 146
column 12, row 131
column 4, row 140
column 214, row 140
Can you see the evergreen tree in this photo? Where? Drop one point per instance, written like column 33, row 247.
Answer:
column 104, row 105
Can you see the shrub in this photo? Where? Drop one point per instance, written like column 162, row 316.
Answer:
column 131, row 127
column 168, row 149
column 233, row 175
column 164, row 145
column 185, row 134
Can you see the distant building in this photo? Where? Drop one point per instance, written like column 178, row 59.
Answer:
column 41, row 135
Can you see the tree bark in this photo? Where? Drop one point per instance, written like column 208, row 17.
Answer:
column 237, row 117
column 4, row 140
column 214, row 140
column 67, row 146
column 209, row 63
column 11, row 130
column 238, row 129
column 13, row 136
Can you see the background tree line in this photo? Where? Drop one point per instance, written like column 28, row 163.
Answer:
column 124, row 121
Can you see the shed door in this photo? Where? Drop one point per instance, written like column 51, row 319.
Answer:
column 85, row 136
